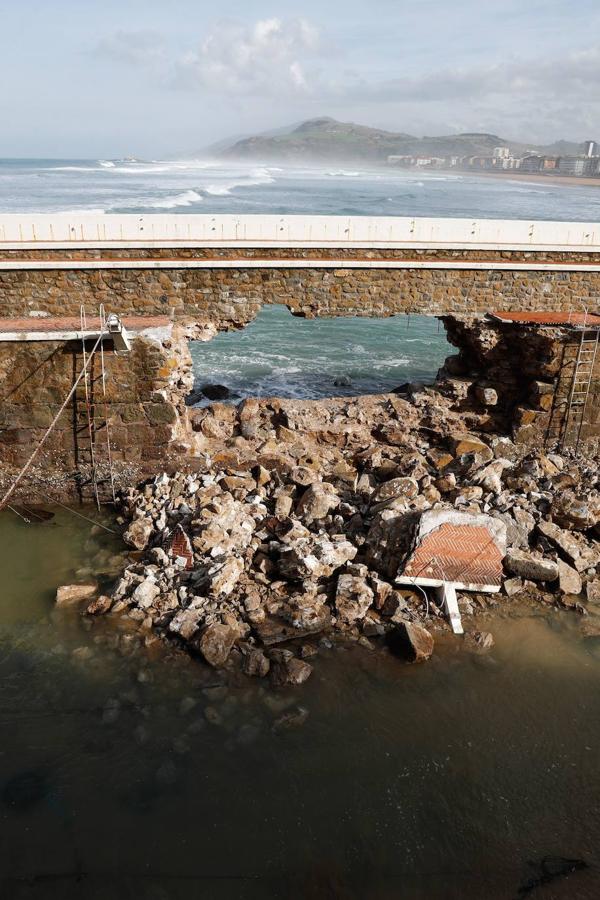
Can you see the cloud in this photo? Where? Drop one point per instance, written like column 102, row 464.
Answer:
column 286, row 61
column 138, row 48
column 268, row 57
column 574, row 76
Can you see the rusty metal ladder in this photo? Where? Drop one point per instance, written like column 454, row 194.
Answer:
column 93, row 454
column 583, row 375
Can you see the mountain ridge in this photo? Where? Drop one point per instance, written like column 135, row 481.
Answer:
column 326, row 139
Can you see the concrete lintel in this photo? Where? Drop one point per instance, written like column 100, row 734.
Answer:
column 8, row 265
column 459, row 585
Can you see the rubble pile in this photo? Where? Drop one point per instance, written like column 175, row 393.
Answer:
column 297, row 519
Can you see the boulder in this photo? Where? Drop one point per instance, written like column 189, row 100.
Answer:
column 75, row 593
column 223, row 576
column 255, row 663
column 576, row 512
column 512, row 586
column 412, row 641
column 146, row 593
column 316, row 502
column 100, row 606
column 569, row 580
column 395, row 488
column 490, row 477
column 353, row 597
column 290, row 671
column 526, row 565
column 215, row 392
column 216, row 643
column 186, row 622
column 592, row 591
column 314, row 557
column 574, row 547
column 139, row 533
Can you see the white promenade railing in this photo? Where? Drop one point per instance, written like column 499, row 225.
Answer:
column 56, row 231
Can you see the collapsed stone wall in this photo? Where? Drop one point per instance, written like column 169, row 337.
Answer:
column 518, row 378
column 506, row 379
column 232, row 297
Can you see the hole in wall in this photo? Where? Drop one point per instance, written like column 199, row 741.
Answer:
column 280, row 355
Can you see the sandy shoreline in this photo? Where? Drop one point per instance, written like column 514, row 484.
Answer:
column 569, row 180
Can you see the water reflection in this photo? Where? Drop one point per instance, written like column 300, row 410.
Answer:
column 125, row 772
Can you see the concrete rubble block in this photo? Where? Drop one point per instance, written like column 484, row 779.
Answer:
column 68, row 594
column 569, row 580
column 512, row 586
column 592, row 591
column 216, row 643
column 353, row 597
column 146, row 593
column 576, row 512
column 139, row 533
column 527, row 565
column 99, row 606
column 490, row 477
column 578, row 551
column 255, row 663
column 396, row 488
column 316, row 557
column 463, row 443
column 316, row 502
column 223, row 576
column 288, row 669
column 186, row 622
column 412, row 641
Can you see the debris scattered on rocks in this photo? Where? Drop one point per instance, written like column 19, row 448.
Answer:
column 297, row 518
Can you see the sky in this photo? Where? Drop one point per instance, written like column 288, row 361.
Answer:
column 154, row 78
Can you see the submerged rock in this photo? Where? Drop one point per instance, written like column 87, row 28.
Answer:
column 216, row 644
column 290, row 671
column 75, row 593
column 215, row 391
column 412, row 641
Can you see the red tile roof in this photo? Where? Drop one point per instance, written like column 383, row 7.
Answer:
column 549, row 318
column 465, row 554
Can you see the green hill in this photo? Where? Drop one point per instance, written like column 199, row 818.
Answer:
column 325, row 139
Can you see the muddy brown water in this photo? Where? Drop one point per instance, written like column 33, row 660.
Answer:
column 125, row 774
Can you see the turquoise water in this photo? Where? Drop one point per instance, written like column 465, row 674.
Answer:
column 279, row 355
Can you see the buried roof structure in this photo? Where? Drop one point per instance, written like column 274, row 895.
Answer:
column 453, row 549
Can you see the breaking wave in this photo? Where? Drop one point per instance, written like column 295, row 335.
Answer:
column 187, row 198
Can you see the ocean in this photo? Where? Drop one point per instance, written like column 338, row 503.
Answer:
column 278, row 354
column 205, row 186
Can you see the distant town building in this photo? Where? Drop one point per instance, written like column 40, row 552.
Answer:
column 532, row 164
column 573, row 165
column 501, row 152
column 590, row 148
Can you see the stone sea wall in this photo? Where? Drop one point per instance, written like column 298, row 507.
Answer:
column 144, row 405
column 232, row 297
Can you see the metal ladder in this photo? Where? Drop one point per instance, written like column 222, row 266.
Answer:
column 93, row 455
column 583, row 374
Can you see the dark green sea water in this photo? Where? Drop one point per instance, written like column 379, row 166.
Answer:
column 468, row 777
